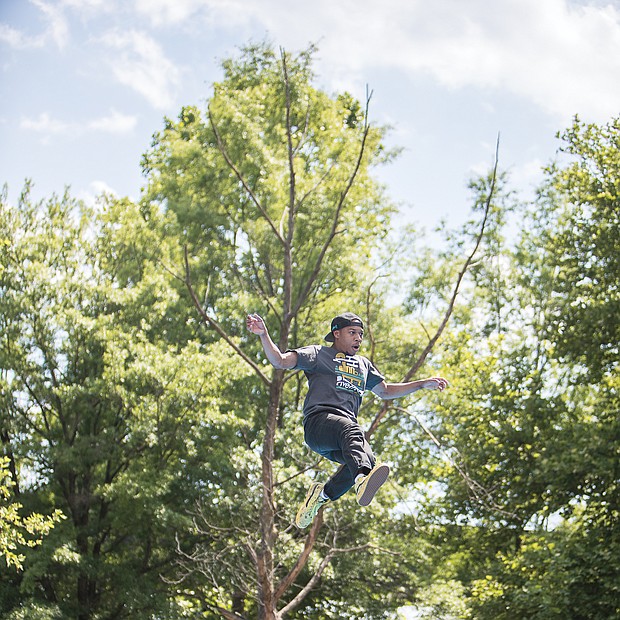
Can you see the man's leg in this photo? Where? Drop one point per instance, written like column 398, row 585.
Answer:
column 342, row 440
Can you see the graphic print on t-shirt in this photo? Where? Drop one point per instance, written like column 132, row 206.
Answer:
column 349, row 376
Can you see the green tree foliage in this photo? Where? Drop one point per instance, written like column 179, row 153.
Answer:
column 134, row 400
column 18, row 532
column 528, row 517
column 102, row 408
column 581, row 241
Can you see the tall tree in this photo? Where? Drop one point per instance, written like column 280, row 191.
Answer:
column 583, row 194
column 531, row 496
column 276, row 211
column 270, row 195
column 98, row 405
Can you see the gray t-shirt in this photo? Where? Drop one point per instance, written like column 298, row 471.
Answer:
column 336, row 381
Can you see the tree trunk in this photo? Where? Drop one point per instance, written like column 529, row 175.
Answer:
column 79, row 502
column 267, row 601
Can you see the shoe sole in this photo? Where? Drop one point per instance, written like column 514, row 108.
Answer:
column 312, row 493
column 373, row 483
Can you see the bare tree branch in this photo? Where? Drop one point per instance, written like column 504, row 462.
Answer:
column 333, row 231
column 288, row 239
column 228, row 615
column 299, row 473
column 317, row 184
column 256, row 284
column 302, row 559
column 470, row 258
column 216, row 326
column 369, row 331
column 308, row 587
column 297, row 600
column 222, row 148
column 431, row 343
column 304, row 133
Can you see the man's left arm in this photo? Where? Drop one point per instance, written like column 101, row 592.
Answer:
column 389, row 391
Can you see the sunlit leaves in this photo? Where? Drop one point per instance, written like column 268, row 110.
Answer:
column 18, row 532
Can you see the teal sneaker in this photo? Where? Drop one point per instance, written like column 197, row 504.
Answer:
column 310, row 506
column 368, row 486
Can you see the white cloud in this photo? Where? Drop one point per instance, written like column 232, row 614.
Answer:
column 92, row 194
column 115, row 123
column 562, row 55
column 529, row 174
column 224, row 15
column 87, row 4
column 18, row 40
column 56, row 29
column 161, row 12
column 101, row 187
column 564, row 58
column 45, row 124
column 143, row 66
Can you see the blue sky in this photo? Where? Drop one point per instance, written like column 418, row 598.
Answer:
column 85, row 83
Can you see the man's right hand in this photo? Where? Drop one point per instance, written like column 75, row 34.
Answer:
column 255, row 324
column 276, row 358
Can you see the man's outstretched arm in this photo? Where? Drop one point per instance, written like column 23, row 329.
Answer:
column 257, row 326
column 389, row 391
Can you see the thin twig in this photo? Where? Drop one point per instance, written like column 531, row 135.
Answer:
column 480, row 493
column 297, row 474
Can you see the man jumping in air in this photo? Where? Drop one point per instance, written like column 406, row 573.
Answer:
column 337, row 379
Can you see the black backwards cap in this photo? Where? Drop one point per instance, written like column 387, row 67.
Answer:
column 341, row 321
